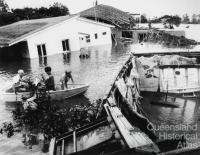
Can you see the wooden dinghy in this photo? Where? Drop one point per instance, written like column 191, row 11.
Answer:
column 74, row 89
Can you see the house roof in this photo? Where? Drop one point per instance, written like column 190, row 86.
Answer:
column 16, row 32
column 108, row 14
column 13, row 33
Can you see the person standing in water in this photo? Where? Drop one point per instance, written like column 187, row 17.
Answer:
column 49, row 79
column 65, row 78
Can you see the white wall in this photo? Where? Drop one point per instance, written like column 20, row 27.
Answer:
column 52, row 37
column 90, row 28
column 178, row 33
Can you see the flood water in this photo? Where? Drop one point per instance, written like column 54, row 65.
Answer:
column 99, row 72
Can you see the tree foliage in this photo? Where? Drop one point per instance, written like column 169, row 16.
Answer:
column 144, row 19
column 42, row 116
column 7, row 18
column 3, row 7
column 185, row 19
column 57, row 9
column 170, row 21
column 194, row 19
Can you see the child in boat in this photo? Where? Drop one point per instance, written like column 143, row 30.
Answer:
column 49, row 79
column 65, row 78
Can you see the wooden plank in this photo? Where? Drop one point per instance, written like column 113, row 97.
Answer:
column 63, row 147
column 133, row 136
column 180, row 66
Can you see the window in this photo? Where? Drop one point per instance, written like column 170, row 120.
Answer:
column 141, row 36
column 104, row 33
column 65, row 45
column 95, row 35
column 127, row 34
column 87, row 38
column 41, row 50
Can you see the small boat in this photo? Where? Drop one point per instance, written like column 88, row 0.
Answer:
column 74, row 89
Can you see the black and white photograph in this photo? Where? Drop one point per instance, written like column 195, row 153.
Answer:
column 99, row 77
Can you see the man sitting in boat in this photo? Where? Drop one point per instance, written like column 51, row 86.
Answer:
column 20, row 84
column 48, row 79
column 65, row 78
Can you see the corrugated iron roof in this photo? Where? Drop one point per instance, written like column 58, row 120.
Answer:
column 109, row 14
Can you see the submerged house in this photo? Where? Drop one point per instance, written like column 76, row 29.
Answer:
column 127, row 27
column 123, row 22
column 43, row 37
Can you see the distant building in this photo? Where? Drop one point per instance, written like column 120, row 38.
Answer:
column 43, row 37
column 108, row 14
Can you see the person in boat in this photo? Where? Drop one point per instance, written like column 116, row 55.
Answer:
column 65, row 78
column 48, row 79
column 20, row 83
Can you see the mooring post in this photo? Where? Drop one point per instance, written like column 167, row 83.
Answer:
column 198, row 75
column 186, row 76
column 63, row 146
column 175, row 79
column 75, row 141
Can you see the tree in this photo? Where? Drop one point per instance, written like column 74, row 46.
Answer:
column 3, row 7
column 58, row 9
column 7, row 18
column 170, row 21
column 185, row 19
column 44, row 12
column 143, row 18
column 198, row 19
column 194, row 19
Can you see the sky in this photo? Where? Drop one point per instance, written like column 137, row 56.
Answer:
column 151, row 8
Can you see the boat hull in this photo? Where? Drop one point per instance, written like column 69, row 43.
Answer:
column 64, row 94
column 75, row 89
column 15, row 97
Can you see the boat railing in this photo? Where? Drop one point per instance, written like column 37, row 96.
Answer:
column 82, row 129
column 180, row 66
column 58, row 84
column 73, row 135
column 121, row 71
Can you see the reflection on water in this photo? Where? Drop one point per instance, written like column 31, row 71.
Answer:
column 98, row 71
column 187, row 113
